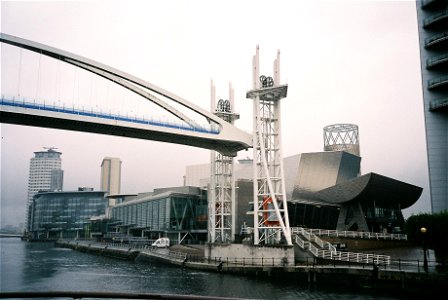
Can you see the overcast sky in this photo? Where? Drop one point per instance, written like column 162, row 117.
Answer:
column 344, row 62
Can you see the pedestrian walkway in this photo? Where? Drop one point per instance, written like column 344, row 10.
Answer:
column 310, row 242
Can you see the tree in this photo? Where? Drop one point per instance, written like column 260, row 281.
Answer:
column 436, row 236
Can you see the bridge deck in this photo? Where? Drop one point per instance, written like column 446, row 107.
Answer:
column 18, row 113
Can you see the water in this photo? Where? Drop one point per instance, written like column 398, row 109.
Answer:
column 43, row 267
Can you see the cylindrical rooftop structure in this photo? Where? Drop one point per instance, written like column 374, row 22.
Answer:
column 342, row 137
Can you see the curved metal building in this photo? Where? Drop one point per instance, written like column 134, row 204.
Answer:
column 328, row 193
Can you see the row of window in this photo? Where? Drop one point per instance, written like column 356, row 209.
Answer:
column 173, row 213
column 65, row 211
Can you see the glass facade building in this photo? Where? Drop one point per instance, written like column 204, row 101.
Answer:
column 432, row 16
column 167, row 212
column 64, row 214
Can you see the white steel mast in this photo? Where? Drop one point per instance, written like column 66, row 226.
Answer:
column 271, row 222
column 222, row 182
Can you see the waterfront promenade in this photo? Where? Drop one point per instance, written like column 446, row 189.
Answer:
column 399, row 276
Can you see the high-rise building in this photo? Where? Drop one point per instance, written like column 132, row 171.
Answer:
column 45, row 175
column 432, row 18
column 57, row 177
column 111, row 175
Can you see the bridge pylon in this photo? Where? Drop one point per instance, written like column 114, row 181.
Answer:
column 271, row 222
column 222, row 182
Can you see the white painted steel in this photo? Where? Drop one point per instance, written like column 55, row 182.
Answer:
column 227, row 131
column 270, row 223
column 222, row 181
column 327, row 251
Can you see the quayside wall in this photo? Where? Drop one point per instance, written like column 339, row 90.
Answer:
column 315, row 273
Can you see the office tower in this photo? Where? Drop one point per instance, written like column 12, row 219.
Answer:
column 432, row 18
column 111, row 175
column 57, row 177
column 45, row 175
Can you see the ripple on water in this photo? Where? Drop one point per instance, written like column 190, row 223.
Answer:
column 33, row 267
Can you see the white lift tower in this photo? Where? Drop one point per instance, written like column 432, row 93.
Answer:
column 271, row 222
column 222, row 182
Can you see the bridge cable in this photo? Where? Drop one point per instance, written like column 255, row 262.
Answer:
column 38, row 78
column 77, row 99
column 58, row 71
column 108, row 84
column 91, row 89
column 74, row 87
column 120, row 100
column 20, row 73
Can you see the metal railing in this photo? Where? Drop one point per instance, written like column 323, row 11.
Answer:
column 165, row 253
column 438, row 103
column 229, row 261
column 433, row 83
column 435, row 18
column 102, row 115
column 321, row 257
column 354, row 234
column 436, row 39
column 431, row 62
column 331, row 253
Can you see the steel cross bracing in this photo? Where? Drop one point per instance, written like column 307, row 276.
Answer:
column 338, row 136
column 222, row 181
column 228, row 140
column 271, row 222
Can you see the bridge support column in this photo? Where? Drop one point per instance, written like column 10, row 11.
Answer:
column 271, row 223
column 222, row 182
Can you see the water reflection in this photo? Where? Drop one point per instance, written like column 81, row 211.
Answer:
column 41, row 267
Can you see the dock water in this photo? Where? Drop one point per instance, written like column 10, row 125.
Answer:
column 387, row 278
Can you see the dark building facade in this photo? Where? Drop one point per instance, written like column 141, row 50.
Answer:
column 326, row 190
column 330, row 195
column 64, row 214
column 432, row 16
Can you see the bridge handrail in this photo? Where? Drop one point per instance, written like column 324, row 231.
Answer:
column 77, row 111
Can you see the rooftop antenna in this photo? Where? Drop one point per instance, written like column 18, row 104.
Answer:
column 50, row 148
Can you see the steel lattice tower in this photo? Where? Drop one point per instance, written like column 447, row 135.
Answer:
column 271, row 222
column 222, row 182
column 342, row 137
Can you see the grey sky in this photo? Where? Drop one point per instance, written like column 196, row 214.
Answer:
column 344, row 61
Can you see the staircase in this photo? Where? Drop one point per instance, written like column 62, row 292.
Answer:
column 310, row 242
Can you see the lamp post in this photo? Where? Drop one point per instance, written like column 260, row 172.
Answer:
column 425, row 260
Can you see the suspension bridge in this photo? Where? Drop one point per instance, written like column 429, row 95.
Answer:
column 71, row 92
column 183, row 122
